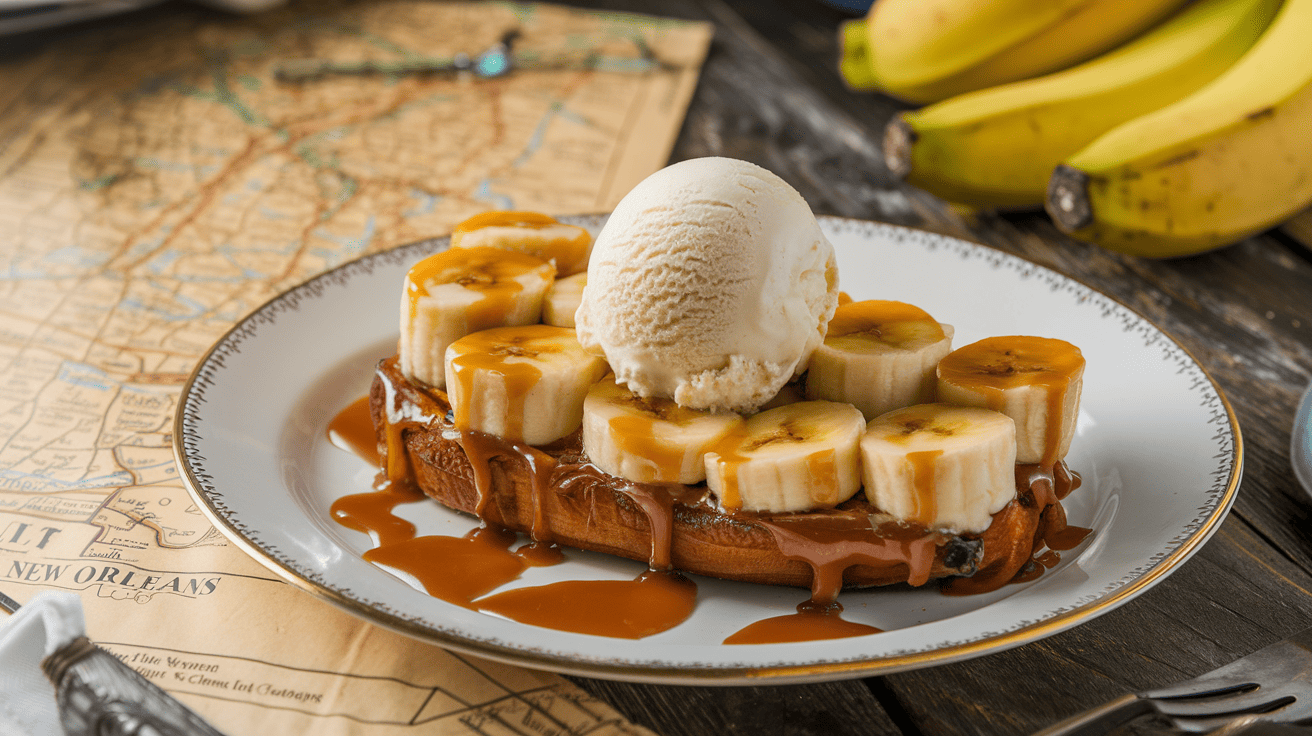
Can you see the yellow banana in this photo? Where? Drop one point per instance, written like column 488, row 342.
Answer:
column 928, row 50
column 997, row 147
column 1228, row 161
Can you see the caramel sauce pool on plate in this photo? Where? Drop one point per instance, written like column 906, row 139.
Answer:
column 465, row 571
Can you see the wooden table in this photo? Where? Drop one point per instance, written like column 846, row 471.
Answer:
column 770, row 93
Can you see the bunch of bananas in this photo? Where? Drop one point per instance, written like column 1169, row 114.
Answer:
column 1152, row 127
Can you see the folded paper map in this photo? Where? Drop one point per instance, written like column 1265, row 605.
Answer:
column 158, row 181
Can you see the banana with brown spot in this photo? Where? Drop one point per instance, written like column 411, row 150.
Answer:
column 795, row 457
column 878, row 356
column 649, row 440
column 524, row 384
column 946, row 467
column 1034, row 380
column 566, row 246
column 458, row 291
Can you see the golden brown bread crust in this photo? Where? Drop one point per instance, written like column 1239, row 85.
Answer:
column 584, row 509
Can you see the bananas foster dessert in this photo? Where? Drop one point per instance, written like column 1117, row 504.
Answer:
column 689, row 393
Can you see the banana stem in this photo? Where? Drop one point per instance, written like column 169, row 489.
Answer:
column 899, row 138
column 1068, row 198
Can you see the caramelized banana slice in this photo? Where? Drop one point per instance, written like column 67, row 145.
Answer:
column 524, row 384
column 947, row 467
column 562, row 300
column 649, row 440
column 795, row 457
column 567, row 246
column 1034, row 380
column 456, row 292
column 878, row 356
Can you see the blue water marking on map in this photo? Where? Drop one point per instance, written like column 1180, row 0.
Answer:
column 14, row 272
column 565, row 113
column 85, row 376
column 246, row 273
column 73, row 255
column 539, row 132
column 255, row 185
column 191, row 278
column 427, row 202
column 18, row 480
column 143, row 247
column 149, row 162
column 498, row 200
column 351, row 243
column 162, row 260
column 273, row 214
column 556, row 111
column 191, row 309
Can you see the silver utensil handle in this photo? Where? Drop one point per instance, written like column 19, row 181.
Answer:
column 1102, row 719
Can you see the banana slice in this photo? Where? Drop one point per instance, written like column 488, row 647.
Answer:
column 878, row 356
column 562, row 300
column 649, row 440
column 947, row 467
column 524, row 384
column 540, row 235
column 456, row 292
column 792, row 458
column 1034, row 380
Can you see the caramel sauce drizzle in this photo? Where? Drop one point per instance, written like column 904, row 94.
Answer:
column 458, row 570
column 569, row 253
column 637, row 437
column 657, row 502
column 893, row 323
column 481, row 448
column 491, row 272
column 502, row 352
column 812, row 622
column 822, row 469
column 371, row 513
column 352, row 430
column 733, row 448
column 832, row 544
column 465, row 570
column 621, row 609
column 995, row 364
column 925, row 483
column 656, row 601
column 1040, row 489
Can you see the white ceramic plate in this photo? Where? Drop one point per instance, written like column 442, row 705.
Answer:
column 1157, row 445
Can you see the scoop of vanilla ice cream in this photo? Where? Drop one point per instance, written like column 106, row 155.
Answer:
column 711, row 284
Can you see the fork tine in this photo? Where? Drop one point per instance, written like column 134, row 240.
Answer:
column 1257, row 701
column 1202, row 687
column 1295, row 713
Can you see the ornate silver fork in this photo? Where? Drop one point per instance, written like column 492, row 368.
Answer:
column 1274, row 683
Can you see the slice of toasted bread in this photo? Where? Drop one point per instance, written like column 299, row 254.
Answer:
column 570, row 502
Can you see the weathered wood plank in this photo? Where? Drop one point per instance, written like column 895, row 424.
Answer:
column 823, row 709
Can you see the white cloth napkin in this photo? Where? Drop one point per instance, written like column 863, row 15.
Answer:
column 27, row 699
